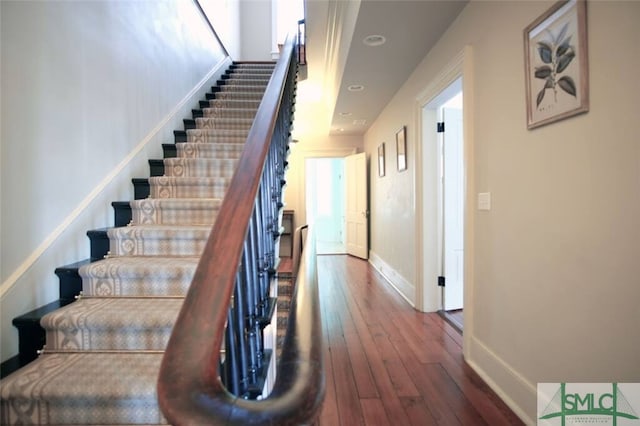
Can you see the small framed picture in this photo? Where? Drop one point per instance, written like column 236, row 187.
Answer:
column 381, row 159
column 556, row 64
column 401, row 148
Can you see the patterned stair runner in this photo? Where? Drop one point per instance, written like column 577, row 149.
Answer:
column 102, row 355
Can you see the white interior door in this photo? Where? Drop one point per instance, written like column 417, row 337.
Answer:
column 357, row 206
column 453, row 209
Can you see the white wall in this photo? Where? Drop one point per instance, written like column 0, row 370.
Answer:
column 556, row 294
column 89, row 89
column 225, row 18
column 256, row 30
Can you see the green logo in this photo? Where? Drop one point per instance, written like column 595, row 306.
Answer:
column 586, row 403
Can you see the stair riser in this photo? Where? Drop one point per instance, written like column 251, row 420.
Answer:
column 199, row 168
column 230, row 103
column 112, row 324
column 140, row 277
column 121, row 213
column 98, row 243
column 242, row 124
column 235, row 96
column 134, row 241
column 70, row 281
column 225, row 113
column 215, row 136
column 244, row 81
column 161, row 216
column 242, row 88
column 141, row 188
column 210, row 136
column 210, row 150
column 171, row 190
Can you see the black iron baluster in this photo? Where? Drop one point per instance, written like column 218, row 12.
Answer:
column 244, row 336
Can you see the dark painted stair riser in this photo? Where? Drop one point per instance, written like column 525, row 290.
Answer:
column 70, row 282
column 170, row 150
column 121, row 213
column 99, row 243
column 31, row 336
column 156, row 168
column 141, row 188
column 189, row 123
column 180, row 136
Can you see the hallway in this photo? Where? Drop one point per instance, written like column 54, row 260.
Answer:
column 387, row 364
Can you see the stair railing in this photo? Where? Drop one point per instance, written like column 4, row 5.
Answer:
column 296, row 250
column 229, row 295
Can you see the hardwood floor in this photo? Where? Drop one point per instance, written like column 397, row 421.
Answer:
column 388, row 364
column 454, row 317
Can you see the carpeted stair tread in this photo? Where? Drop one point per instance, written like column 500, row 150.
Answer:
column 251, row 71
column 210, row 150
column 249, row 76
column 157, row 240
column 217, row 135
column 224, row 122
column 188, row 187
column 138, row 276
column 203, row 167
column 115, row 323
column 172, row 211
column 234, row 103
column 259, row 81
column 230, row 87
column 212, row 112
column 84, row 389
column 238, row 95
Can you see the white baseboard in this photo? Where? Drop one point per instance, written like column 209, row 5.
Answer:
column 517, row 392
column 397, row 281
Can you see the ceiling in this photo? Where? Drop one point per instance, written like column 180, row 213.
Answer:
column 335, row 34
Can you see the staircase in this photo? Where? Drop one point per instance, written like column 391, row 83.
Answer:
column 103, row 351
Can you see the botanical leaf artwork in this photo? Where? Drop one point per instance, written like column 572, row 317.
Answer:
column 556, row 53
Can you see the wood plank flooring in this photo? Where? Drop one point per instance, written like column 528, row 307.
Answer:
column 388, row 364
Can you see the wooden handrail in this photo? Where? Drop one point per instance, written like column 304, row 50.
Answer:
column 189, row 387
column 213, row 30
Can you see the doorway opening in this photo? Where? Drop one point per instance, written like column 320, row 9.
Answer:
column 449, row 194
column 325, row 203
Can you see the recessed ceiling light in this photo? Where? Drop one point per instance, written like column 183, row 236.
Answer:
column 374, row 40
column 360, row 122
column 355, row 88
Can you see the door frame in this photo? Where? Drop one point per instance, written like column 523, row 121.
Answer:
column 334, row 160
column 302, row 183
column 428, row 294
column 445, row 142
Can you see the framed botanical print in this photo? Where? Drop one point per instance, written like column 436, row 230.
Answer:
column 556, row 64
column 401, row 148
